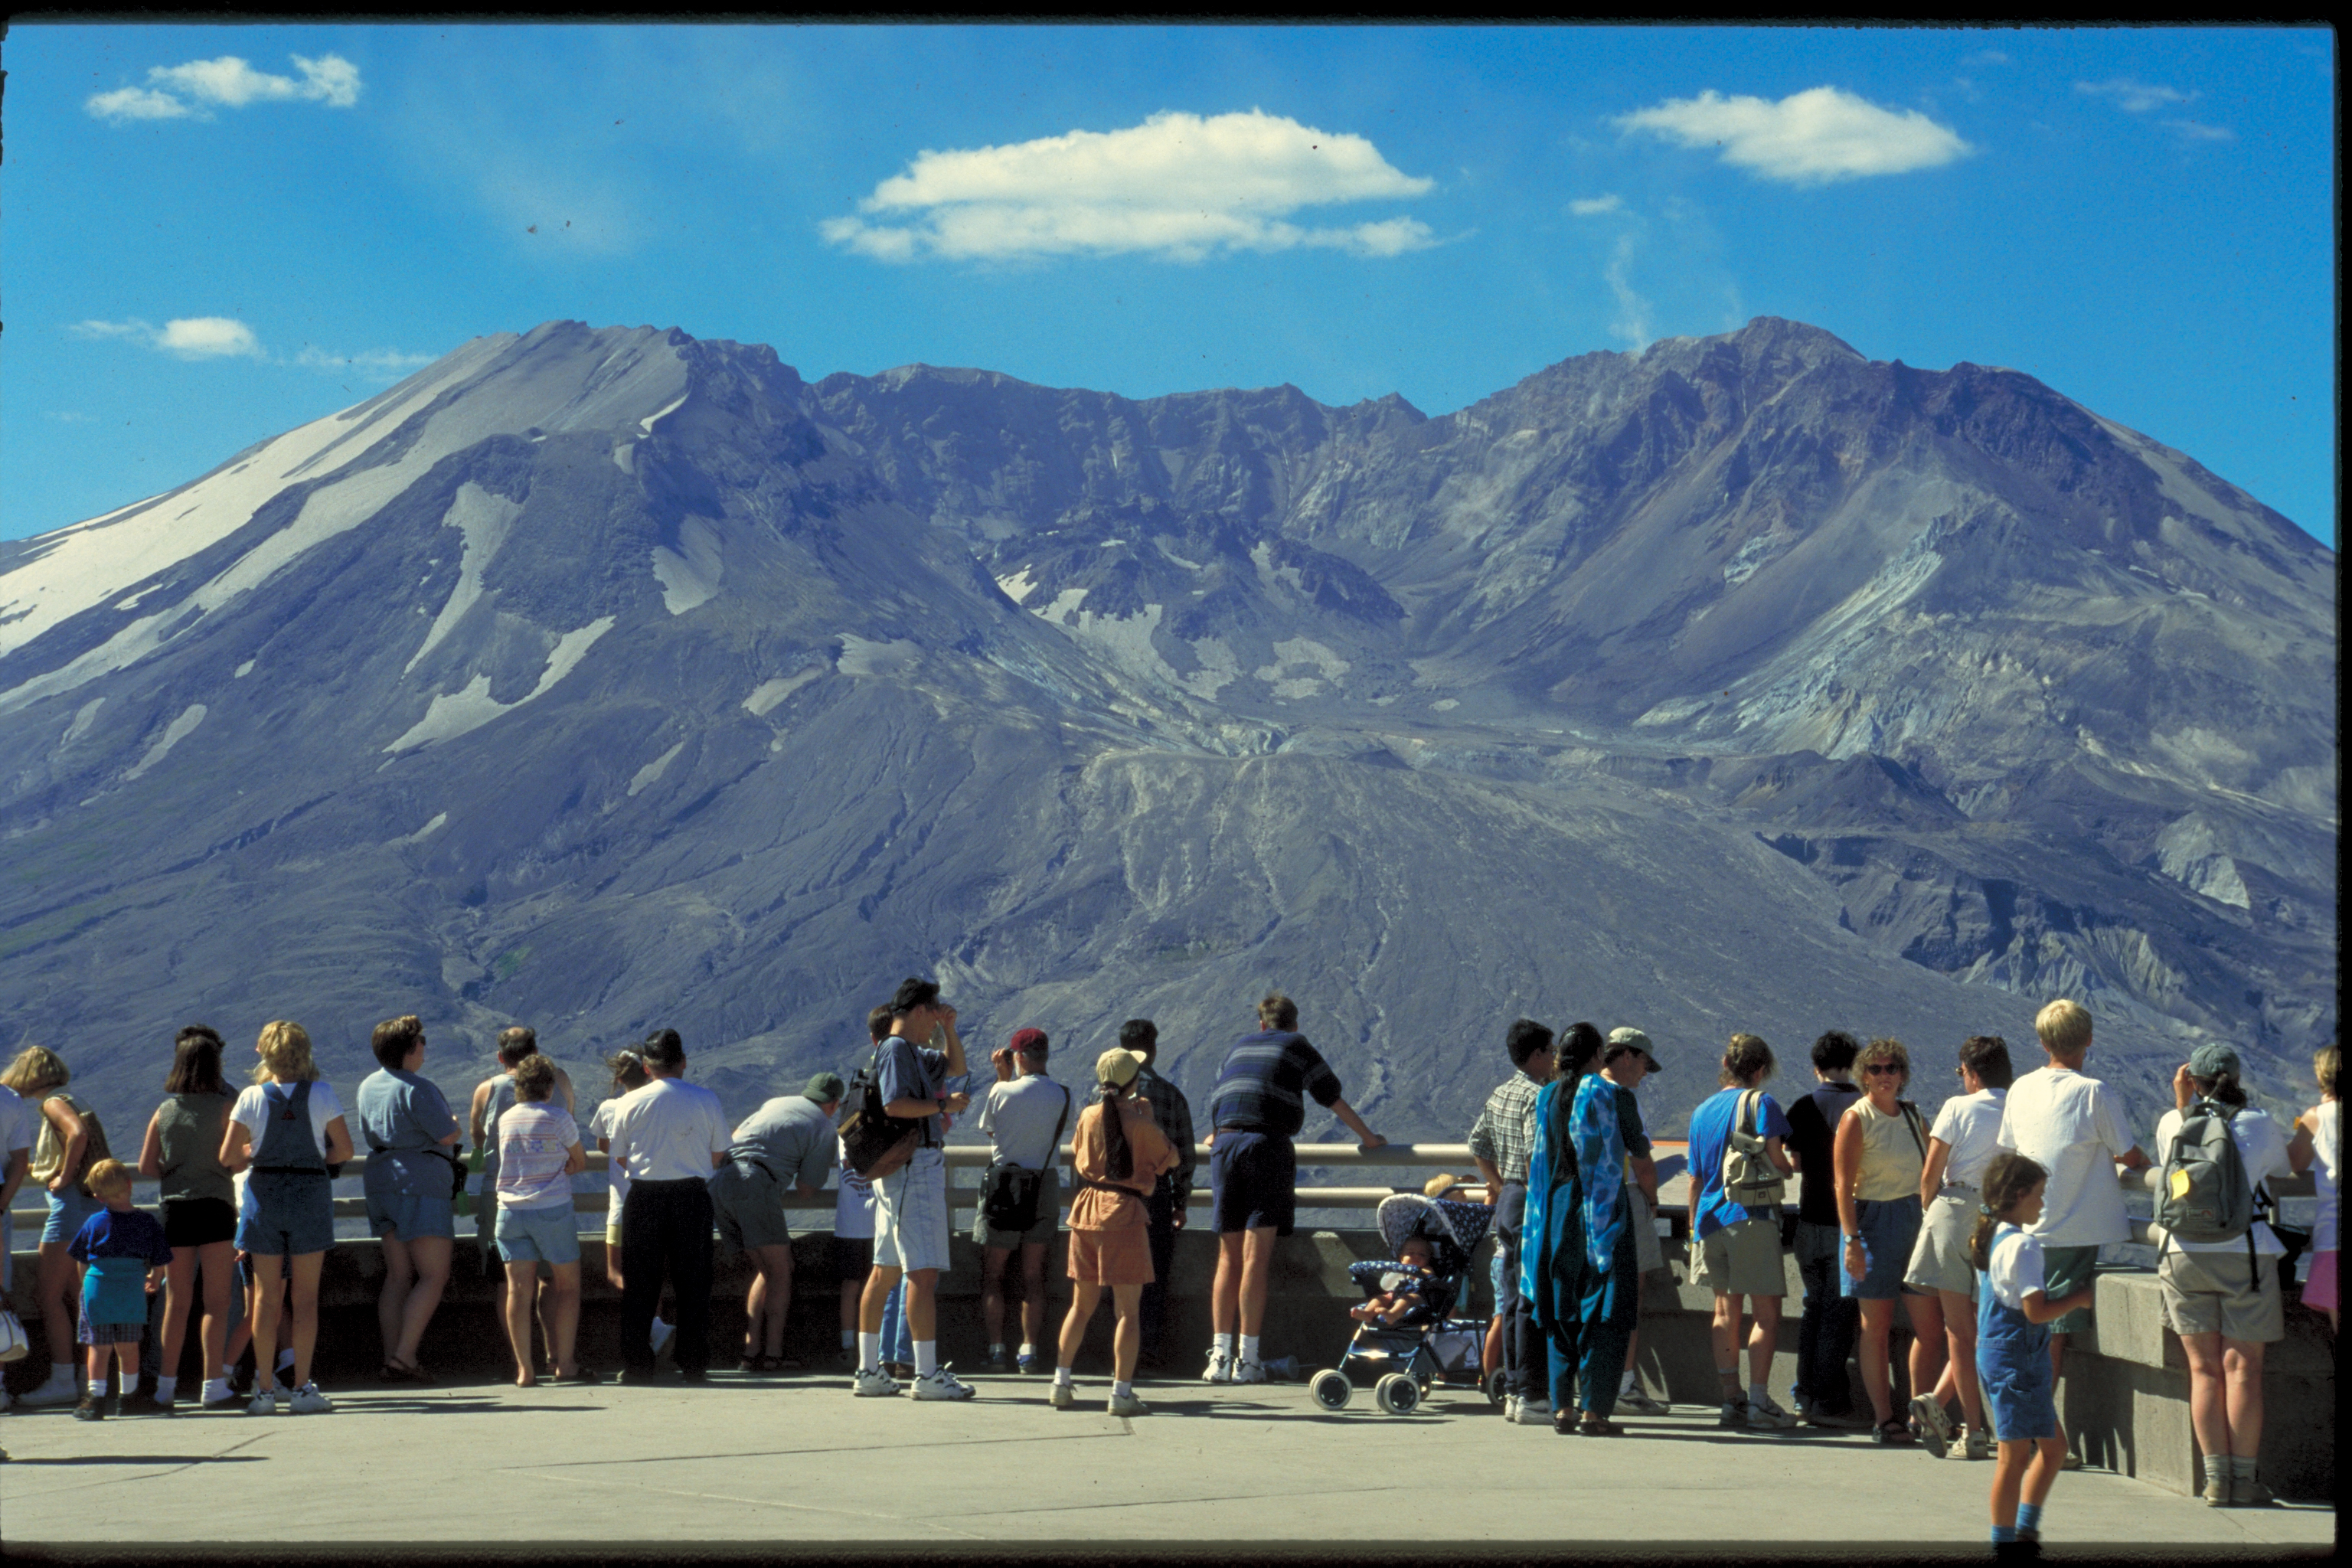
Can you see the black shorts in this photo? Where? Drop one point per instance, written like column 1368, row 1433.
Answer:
column 1253, row 1182
column 852, row 1257
column 198, row 1222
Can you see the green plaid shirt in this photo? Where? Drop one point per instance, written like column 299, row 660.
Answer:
column 1505, row 1131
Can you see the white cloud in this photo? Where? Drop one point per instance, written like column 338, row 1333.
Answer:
column 2196, row 133
column 1632, row 322
column 1986, row 58
column 1178, row 187
column 224, row 337
column 208, row 337
column 378, row 365
column 183, row 91
column 1593, row 207
column 1809, row 138
column 2133, row 97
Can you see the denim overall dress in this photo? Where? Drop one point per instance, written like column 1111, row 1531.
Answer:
column 2014, row 1365
column 289, row 1208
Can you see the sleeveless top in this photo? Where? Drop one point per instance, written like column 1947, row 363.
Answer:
column 189, row 1127
column 1892, row 1153
column 49, row 1150
column 502, row 1100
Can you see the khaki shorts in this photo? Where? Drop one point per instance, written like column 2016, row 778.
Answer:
column 1648, row 1253
column 2209, row 1292
column 1743, row 1258
column 1939, row 1258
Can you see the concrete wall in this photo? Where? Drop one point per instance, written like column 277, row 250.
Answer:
column 2125, row 1396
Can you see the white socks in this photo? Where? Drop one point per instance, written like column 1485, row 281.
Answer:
column 1223, row 1345
column 285, row 1362
column 1122, row 1391
column 64, row 1374
column 1249, row 1347
column 1064, row 1377
column 926, row 1357
column 215, row 1389
column 870, row 1351
column 164, row 1388
column 1027, row 1348
column 1759, row 1395
column 1628, row 1386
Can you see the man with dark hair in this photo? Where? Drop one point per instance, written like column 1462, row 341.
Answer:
column 1258, row 1106
column 910, row 1211
column 1825, row 1336
column 672, row 1134
column 1164, row 1209
column 1500, row 1141
column 1024, row 1117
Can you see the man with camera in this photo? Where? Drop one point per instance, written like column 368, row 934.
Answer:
column 1021, row 1202
column 910, row 1209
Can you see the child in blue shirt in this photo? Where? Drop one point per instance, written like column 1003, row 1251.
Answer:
column 124, row 1256
column 2013, row 1317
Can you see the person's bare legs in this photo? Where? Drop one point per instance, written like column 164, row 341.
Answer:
column 1257, row 1276
column 1033, row 1291
column 179, row 1300
column 304, row 1280
column 59, row 1288
column 429, row 1263
column 1084, row 1298
column 399, row 1279
column 1926, row 1315
column 2058, row 1370
column 216, row 1262
column 559, row 1309
column 1127, row 1335
column 1723, row 1339
column 767, row 1299
column 521, row 1281
column 1225, row 1292
column 263, row 1316
column 992, row 1291
column 1878, row 1324
column 2241, row 1370
column 923, row 1304
column 1763, row 1336
column 1960, row 1367
column 880, row 1280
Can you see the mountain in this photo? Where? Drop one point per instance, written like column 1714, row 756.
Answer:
column 609, row 678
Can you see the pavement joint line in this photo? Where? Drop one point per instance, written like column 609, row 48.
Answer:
column 780, row 1503
column 1177, row 1501
column 879, row 1447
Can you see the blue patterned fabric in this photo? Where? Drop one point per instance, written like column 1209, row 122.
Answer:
column 1601, row 1156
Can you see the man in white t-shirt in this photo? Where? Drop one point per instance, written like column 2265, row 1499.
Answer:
column 672, row 1134
column 1024, row 1118
column 2073, row 1126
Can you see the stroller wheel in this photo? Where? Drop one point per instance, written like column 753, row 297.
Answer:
column 1397, row 1394
column 1494, row 1382
column 1331, row 1389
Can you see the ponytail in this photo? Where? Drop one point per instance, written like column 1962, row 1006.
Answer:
column 2006, row 1181
column 1119, row 1154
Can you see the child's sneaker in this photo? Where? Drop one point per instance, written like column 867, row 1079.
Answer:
column 941, row 1384
column 218, row 1396
column 873, row 1383
column 1933, row 1424
column 1641, row 1404
column 1128, row 1405
column 1248, row 1371
column 1221, row 1367
column 264, row 1402
column 1970, row 1444
column 1025, row 1362
column 1734, row 1416
column 1768, row 1416
column 91, row 1407
column 1061, row 1397
column 55, row 1390
column 309, row 1401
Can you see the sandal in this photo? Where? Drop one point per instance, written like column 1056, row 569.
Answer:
column 1597, row 1427
column 1892, row 1434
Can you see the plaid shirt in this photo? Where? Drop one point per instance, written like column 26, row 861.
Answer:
column 1265, row 1083
column 1175, row 1117
column 1505, row 1131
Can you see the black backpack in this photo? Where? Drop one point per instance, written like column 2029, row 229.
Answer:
column 875, row 1143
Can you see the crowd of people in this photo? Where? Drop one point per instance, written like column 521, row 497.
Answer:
column 1983, row 1223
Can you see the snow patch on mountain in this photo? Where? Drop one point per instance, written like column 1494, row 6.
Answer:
column 179, row 729
column 690, row 578
column 767, row 694
column 482, row 520
column 862, row 655
column 455, row 713
column 654, row 770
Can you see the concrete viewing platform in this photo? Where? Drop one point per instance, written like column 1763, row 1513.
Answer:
column 797, row 1466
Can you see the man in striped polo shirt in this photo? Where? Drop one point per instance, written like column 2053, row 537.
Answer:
column 1257, row 1107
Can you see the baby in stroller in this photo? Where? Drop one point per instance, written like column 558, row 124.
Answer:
column 1406, row 1338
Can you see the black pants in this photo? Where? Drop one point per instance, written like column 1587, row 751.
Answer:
column 666, row 1229
column 1825, row 1336
column 1160, row 1228
column 1523, row 1348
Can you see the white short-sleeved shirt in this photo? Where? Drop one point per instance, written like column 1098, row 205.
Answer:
column 535, row 1142
column 2262, row 1144
column 2073, row 1126
column 2327, row 1150
column 600, row 1125
column 852, row 1207
column 16, row 1125
column 251, row 1112
column 2016, row 1269
column 1971, row 1125
column 669, row 1130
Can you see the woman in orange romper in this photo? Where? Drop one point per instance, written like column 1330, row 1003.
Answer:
column 1119, row 1152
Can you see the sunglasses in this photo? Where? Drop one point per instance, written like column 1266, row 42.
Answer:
column 1882, row 1066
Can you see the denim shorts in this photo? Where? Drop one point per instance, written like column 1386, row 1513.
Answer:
column 411, row 1217
column 68, row 1211
column 549, row 1235
column 1890, row 1229
column 286, row 1216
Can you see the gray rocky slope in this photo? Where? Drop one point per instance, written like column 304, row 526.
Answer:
column 606, row 678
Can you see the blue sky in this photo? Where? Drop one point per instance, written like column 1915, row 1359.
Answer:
column 212, row 234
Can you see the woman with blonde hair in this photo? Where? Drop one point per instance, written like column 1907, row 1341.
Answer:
column 1877, row 1161
column 69, row 1142
column 2323, row 1125
column 287, row 1129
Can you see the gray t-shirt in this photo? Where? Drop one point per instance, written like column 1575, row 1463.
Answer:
column 791, row 1136
column 1021, row 1116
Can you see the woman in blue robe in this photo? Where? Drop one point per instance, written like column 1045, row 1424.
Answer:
column 1577, row 1268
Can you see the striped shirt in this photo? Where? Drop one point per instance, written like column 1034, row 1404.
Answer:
column 1505, row 1131
column 1265, row 1084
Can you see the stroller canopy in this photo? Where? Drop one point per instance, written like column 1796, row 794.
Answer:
column 1453, row 1229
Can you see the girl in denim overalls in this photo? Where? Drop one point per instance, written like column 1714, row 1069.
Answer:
column 289, row 1212
column 2013, row 1318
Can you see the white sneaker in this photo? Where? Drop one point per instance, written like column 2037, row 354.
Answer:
column 1221, row 1367
column 1061, row 1397
column 264, row 1402
column 1511, row 1408
column 941, row 1384
column 660, row 1335
column 873, row 1383
column 52, row 1392
column 1248, row 1371
column 217, row 1395
column 1128, row 1405
column 309, row 1401
column 1933, row 1423
column 1765, row 1415
column 1533, row 1413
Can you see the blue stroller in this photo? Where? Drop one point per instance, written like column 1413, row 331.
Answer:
column 1430, row 1346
